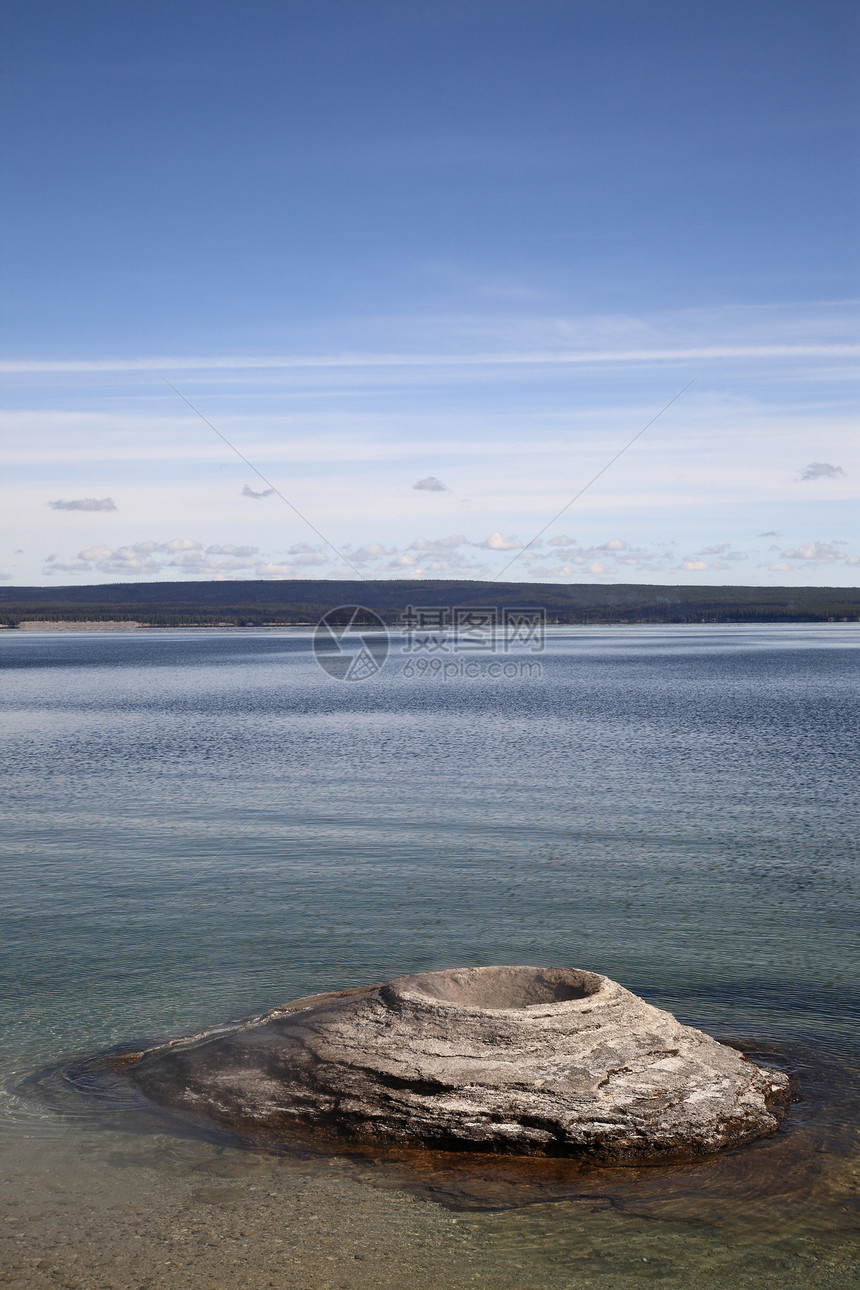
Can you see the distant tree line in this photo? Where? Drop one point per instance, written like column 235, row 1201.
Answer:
column 294, row 602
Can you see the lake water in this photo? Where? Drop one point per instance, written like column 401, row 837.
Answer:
column 201, row 825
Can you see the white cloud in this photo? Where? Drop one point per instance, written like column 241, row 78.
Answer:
column 249, row 492
column 196, row 561
column 438, row 544
column 495, row 542
column 371, row 551
column 274, row 571
column 510, row 435
column 821, row 470
column 149, row 558
column 723, row 549
column 445, row 566
column 85, row 504
column 444, row 555
column 181, row 544
column 312, row 557
column 692, row 565
column 74, row 566
column 305, row 554
column 430, row 485
column 611, row 556
column 815, row 552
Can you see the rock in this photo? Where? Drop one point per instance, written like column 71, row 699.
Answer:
column 531, row 1061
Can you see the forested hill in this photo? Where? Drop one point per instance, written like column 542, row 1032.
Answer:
column 260, row 603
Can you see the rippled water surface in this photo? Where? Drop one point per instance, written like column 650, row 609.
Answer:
column 202, row 825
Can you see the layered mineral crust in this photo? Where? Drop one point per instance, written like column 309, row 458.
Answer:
column 530, row 1061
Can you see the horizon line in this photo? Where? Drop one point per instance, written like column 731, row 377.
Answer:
column 418, row 582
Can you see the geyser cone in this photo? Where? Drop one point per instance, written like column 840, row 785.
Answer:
column 532, row 1061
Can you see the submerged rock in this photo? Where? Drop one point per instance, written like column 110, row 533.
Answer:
column 523, row 1060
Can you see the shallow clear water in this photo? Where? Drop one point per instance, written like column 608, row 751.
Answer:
column 202, row 825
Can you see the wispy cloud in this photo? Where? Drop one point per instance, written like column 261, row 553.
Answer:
column 85, row 504
column 522, row 358
column 304, row 554
column 815, row 552
column 230, row 549
column 518, row 442
column 821, row 470
column 445, row 555
column 439, row 545
column 148, row 558
column 618, row 560
column 370, row 551
column 561, row 559
column 723, row 550
column 274, row 571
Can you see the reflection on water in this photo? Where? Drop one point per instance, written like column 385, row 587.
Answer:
column 205, row 826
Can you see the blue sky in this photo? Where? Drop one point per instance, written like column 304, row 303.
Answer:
column 471, row 245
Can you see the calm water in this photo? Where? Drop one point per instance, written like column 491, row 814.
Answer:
column 202, row 825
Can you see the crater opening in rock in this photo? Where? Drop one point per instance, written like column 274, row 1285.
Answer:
column 501, row 987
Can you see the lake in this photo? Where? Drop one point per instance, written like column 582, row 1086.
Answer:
column 200, row 825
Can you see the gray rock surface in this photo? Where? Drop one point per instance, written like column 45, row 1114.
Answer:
column 531, row 1061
